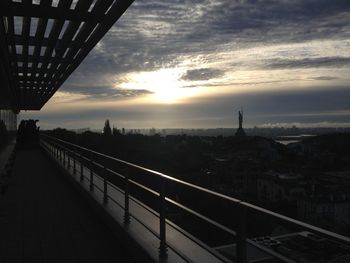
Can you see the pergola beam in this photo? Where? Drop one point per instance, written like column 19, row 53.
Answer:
column 45, row 43
column 41, row 11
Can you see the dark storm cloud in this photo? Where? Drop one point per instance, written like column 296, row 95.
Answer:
column 309, row 63
column 202, row 74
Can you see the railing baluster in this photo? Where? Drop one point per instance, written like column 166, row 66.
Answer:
column 91, row 176
column 81, row 169
column 74, row 163
column 68, row 157
column 162, row 222
column 105, row 191
column 64, row 157
column 126, row 201
column 241, row 244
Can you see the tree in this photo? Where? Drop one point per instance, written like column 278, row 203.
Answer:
column 152, row 131
column 107, row 131
column 115, row 131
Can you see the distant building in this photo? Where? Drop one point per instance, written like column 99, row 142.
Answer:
column 273, row 187
column 331, row 211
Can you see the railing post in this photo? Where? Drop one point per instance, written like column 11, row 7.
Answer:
column 241, row 244
column 81, row 169
column 74, row 163
column 91, row 176
column 64, row 157
column 68, row 160
column 126, row 200
column 105, row 193
column 60, row 155
column 162, row 222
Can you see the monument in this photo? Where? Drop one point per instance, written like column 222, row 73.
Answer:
column 240, row 132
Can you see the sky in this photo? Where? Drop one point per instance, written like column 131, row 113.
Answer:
column 195, row 63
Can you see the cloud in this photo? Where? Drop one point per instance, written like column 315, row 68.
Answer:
column 159, row 34
column 202, row 74
column 326, row 62
column 324, row 78
column 156, row 34
column 107, row 92
column 288, row 106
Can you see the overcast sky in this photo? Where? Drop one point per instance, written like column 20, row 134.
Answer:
column 195, row 63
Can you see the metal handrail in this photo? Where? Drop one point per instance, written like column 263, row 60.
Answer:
column 163, row 249
column 243, row 206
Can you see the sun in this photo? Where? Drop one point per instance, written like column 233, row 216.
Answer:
column 165, row 85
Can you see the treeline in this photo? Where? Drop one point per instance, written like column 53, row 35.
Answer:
column 182, row 156
column 176, row 155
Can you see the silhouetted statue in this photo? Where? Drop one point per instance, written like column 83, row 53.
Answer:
column 240, row 131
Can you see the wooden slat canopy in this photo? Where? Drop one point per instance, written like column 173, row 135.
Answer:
column 43, row 41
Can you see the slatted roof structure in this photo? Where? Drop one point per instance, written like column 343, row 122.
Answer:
column 43, row 41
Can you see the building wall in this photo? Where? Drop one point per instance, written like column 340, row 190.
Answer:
column 333, row 215
column 278, row 190
column 10, row 119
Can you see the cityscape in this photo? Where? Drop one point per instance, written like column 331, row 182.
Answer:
column 306, row 179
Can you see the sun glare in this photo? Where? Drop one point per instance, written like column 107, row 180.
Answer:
column 166, row 85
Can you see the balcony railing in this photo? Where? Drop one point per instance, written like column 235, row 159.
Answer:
column 158, row 193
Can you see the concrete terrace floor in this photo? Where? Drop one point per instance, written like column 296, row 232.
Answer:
column 42, row 218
